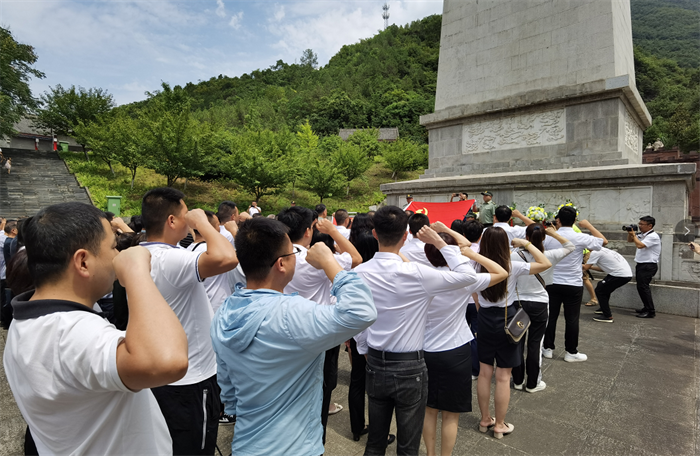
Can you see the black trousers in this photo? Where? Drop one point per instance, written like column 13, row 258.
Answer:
column 473, row 322
column 193, row 431
column 605, row 288
column 356, row 392
column 570, row 297
column 538, row 313
column 330, row 381
column 644, row 273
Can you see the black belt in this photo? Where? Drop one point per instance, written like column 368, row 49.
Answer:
column 389, row 356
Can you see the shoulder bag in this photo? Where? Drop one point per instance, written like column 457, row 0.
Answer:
column 519, row 324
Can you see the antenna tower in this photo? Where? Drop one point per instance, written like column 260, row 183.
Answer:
column 385, row 15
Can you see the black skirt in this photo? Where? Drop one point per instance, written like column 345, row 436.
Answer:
column 450, row 379
column 492, row 340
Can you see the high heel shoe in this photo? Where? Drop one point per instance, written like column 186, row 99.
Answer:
column 499, row 435
column 485, row 429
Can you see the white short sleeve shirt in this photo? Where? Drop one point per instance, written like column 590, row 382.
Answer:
column 568, row 271
column 218, row 287
column 446, row 327
column 650, row 253
column 344, row 231
column 517, row 269
column 62, row 369
column 610, row 262
column 176, row 274
column 312, row 283
column 227, row 234
column 414, row 250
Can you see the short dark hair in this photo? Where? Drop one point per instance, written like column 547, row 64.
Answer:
column 434, row 255
column 136, row 223
column 298, row 219
column 390, row 224
column 226, row 210
column 258, row 242
column 323, row 238
column 567, row 216
column 473, row 229
column 55, row 233
column 503, row 214
column 341, row 215
column 416, row 222
column 366, row 244
column 320, row 208
column 156, row 206
column 649, row 219
column 457, row 225
column 9, row 226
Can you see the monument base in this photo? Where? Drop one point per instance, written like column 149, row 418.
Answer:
column 609, row 197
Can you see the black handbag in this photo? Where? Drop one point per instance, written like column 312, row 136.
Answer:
column 519, row 324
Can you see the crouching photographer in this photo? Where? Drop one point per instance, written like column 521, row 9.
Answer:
column 648, row 245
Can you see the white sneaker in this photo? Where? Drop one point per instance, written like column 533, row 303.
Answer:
column 518, row 387
column 547, row 353
column 540, row 386
column 575, row 358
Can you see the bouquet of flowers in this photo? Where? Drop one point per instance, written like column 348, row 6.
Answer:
column 537, row 214
column 570, row 204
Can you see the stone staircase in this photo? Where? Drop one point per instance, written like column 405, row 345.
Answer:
column 38, row 179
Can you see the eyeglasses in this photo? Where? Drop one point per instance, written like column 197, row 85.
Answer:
column 296, row 250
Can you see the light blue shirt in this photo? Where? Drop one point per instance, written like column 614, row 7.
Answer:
column 270, row 351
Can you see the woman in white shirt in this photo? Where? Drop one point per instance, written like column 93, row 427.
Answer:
column 447, row 346
column 532, row 296
column 491, row 338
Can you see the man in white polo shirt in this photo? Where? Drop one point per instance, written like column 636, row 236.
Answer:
column 342, row 220
column 567, row 283
column 397, row 378
column 191, row 406
column 313, row 284
column 82, row 385
column 414, row 248
column 502, row 216
column 648, row 245
column 227, row 212
column 618, row 274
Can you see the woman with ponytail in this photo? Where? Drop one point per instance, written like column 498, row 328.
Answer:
column 533, row 298
column 494, row 303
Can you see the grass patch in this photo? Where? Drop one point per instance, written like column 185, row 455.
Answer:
column 96, row 175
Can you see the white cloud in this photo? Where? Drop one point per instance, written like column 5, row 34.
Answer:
column 220, row 8
column 279, row 13
column 235, row 21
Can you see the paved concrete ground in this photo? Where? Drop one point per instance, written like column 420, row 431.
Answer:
column 638, row 393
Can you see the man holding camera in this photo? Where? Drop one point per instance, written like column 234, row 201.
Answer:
column 648, row 245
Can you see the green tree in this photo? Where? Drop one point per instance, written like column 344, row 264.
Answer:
column 309, row 59
column 404, row 155
column 64, row 109
column 258, row 161
column 368, row 140
column 16, row 60
column 320, row 177
column 177, row 145
column 351, row 162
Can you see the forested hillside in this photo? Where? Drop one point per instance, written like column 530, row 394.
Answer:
column 668, row 28
column 384, row 81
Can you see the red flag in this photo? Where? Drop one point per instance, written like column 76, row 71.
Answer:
column 442, row 212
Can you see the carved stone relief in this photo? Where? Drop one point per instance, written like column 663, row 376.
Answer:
column 540, row 129
column 631, row 133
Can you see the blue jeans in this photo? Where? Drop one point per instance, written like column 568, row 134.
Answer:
column 400, row 385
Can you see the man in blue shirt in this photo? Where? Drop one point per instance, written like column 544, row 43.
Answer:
column 270, row 346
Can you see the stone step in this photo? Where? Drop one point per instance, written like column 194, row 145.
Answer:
column 37, row 180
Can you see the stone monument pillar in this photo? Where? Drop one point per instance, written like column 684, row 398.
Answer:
column 536, row 102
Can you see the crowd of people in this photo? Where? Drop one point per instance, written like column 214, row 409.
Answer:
column 143, row 338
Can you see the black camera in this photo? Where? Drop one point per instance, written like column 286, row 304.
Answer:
column 547, row 223
column 630, row 227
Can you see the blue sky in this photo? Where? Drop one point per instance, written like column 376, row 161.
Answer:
column 128, row 47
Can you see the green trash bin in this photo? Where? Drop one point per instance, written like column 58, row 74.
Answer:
column 114, row 205
column 63, row 145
